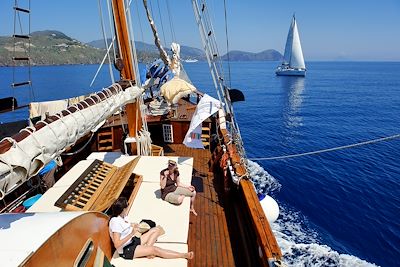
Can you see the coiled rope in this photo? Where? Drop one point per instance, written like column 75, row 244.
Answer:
column 330, row 149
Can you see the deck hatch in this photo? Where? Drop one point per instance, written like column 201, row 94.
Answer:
column 99, row 186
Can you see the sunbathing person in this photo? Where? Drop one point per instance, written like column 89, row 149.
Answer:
column 126, row 240
column 172, row 190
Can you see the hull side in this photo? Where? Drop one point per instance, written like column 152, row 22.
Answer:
column 291, row 72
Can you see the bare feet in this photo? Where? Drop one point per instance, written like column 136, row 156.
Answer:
column 190, row 255
column 150, row 256
column 193, row 211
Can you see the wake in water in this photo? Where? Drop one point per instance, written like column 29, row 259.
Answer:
column 300, row 245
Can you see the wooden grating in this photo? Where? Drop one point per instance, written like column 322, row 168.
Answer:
column 99, row 186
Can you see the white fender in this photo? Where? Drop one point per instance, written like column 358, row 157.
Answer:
column 270, row 207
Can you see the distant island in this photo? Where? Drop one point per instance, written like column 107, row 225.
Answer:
column 51, row 47
column 266, row 55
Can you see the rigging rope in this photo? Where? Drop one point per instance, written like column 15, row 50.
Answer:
column 111, row 28
column 139, row 19
column 105, row 43
column 80, row 149
column 161, row 21
column 171, row 24
column 331, row 149
column 227, row 46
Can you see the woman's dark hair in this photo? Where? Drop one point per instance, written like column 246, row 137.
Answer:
column 118, row 206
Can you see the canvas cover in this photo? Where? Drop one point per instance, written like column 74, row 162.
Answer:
column 175, row 89
column 27, row 157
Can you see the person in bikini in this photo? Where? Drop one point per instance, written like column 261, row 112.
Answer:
column 172, row 190
column 130, row 243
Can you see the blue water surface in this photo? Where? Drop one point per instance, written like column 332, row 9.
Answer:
column 351, row 197
column 332, row 204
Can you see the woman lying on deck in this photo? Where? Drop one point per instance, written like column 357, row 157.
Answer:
column 172, row 190
column 129, row 246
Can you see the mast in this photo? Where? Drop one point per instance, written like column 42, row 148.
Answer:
column 127, row 71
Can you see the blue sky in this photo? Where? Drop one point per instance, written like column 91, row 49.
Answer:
column 329, row 30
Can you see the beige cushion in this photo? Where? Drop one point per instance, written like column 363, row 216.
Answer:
column 174, row 219
column 117, row 261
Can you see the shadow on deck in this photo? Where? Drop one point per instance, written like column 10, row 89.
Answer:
column 214, row 235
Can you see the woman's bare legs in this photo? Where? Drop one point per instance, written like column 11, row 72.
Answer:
column 145, row 251
column 192, row 198
column 150, row 237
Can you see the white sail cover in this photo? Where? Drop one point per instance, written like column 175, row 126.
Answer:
column 25, row 158
column 205, row 108
column 293, row 53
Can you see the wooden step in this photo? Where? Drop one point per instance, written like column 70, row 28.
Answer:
column 20, row 84
column 21, row 58
column 104, row 134
column 23, row 36
column 22, row 9
column 104, row 148
column 105, row 141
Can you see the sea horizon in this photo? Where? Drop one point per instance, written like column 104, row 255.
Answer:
column 323, row 198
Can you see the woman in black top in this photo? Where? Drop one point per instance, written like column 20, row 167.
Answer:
column 172, row 190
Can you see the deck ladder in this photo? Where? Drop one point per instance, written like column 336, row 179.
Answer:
column 22, row 46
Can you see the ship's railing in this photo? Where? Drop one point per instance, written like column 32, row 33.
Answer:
column 208, row 38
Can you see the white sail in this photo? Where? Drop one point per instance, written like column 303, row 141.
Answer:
column 293, row 60
column 296, row 58
column 288, row 46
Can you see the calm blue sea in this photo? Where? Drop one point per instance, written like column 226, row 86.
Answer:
column 336, row 209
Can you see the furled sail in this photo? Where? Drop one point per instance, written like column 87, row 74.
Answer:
column 25, row 158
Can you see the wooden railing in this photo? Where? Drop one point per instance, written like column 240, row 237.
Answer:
column 265, row 237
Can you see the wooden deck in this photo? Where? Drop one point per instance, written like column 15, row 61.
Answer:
column 210, row 235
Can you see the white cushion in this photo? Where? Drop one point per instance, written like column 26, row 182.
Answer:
column 174, row 219
column 46, row 202
column 72, row 175
column 117, row 261
column 116, row 158
column 150, row 168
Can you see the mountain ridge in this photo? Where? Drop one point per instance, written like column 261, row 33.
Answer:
column 52, row 47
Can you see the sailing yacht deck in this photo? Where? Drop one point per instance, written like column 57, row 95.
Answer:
column 209, row 237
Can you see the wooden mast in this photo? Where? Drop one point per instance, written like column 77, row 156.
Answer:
column 127, row 71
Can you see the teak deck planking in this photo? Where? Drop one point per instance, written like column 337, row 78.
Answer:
column 209, row 237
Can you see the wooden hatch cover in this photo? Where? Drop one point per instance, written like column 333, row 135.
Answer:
column 99, row 186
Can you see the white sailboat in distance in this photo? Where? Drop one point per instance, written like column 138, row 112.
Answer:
column 293, row 60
